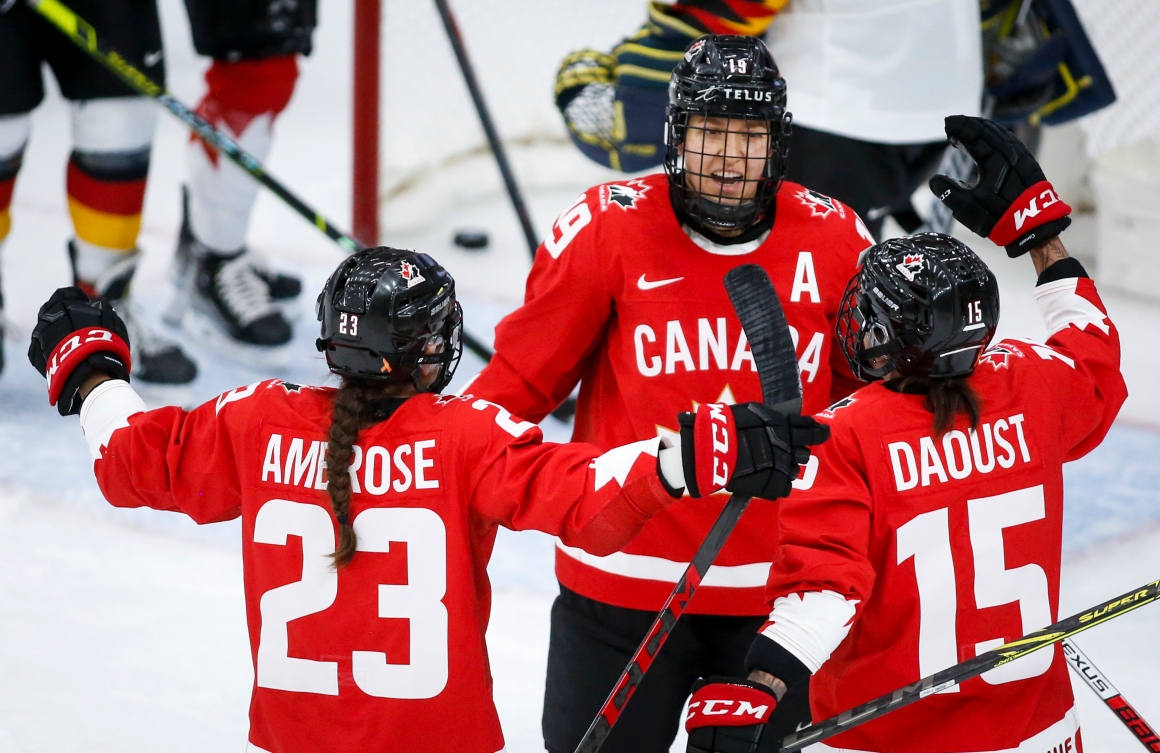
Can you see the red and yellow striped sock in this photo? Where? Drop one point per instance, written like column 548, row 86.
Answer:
column 8, row 170
column 105, row 194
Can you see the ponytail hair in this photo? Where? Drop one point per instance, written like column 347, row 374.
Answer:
column 352, row 412
column 945, row 399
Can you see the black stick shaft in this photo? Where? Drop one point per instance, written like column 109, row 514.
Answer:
column 757, row 306
column 959, row 673
column 497, row 148
column 85, row 36
column 663, row 625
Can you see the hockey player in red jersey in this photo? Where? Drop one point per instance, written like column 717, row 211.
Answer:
column 369, row 512
column 933, row 528
column 623, row 299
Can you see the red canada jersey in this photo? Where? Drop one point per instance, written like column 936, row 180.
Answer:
column 949, row 546
column 623, row 301
column 387, row 654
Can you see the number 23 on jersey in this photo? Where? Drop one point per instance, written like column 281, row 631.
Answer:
column 419, row 601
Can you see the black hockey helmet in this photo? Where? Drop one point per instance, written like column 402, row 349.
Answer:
column 386, row 313
column 734, row 77
column 926, row 302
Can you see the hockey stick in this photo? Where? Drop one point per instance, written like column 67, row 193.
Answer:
column 1107, row 692
column 85, row 36
column 959, row 673
column 763, row 321
column 497, row 148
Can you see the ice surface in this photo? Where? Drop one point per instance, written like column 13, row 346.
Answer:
column 124, row 630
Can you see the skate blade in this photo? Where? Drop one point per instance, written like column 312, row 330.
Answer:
column 200, row 328
column 161, row 395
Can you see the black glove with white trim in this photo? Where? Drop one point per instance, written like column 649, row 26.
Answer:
column 75, row 338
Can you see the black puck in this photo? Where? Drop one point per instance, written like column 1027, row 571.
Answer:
column 471, row 239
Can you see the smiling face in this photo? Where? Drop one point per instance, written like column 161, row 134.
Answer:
column 725, row 158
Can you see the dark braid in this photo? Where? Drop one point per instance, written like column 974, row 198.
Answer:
column 352, row 412
column 945, row 398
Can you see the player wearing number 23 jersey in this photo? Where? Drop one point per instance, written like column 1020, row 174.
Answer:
column 369, row 512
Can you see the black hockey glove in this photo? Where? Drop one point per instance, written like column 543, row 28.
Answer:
column 748, row 449
column 74, row 339
column 1013, row 204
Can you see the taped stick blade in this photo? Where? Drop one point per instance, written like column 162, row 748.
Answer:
column 763, row 320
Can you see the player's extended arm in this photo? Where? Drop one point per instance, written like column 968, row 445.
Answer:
column 600, row 501
column 141, row 458
column 815, row 586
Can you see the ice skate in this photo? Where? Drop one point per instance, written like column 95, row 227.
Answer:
column 283, row 289
column 231, row 310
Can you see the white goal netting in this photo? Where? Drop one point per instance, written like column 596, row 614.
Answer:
column 1126, row 34
column 434, row 152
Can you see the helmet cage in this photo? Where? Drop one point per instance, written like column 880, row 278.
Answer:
column 732, row 78
column 936, row 324
column 389, row 315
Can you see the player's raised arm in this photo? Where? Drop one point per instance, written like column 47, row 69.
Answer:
column 166, row 458
column 1015, row 206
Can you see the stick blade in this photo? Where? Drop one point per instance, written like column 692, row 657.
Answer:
column 763, row 320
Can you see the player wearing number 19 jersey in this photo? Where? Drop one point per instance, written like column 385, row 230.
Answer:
column 626, row 299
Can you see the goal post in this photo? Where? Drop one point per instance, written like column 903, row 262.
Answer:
column 365, row 154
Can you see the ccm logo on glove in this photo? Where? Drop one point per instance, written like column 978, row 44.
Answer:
column 1039, row 199
column 729, row 704
column 75, row 349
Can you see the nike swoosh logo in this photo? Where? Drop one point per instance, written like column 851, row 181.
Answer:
column 153, row 58
column 644, row 284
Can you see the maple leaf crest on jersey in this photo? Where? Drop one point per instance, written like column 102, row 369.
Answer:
column 410, row 273
column 999, row 357
column 845, row 402
column 820, row 205
column 624, row 195
column 910, row 267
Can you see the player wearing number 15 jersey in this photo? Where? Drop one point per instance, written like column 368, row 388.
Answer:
column 369, row 512
column 932, row 532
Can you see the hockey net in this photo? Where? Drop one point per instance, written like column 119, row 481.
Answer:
column 1126, row 34
column 433, row 150
column 434, row 155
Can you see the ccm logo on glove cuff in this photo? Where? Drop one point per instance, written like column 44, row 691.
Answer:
column 75, row 349
column 726, row 705
column 1037, row 205
column 714, row 429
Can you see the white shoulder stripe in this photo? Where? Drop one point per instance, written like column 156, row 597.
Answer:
column 106, row 409
column 646, row 567
column 1063, row 307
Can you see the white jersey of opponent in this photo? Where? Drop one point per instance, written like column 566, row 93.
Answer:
column 887, row 71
